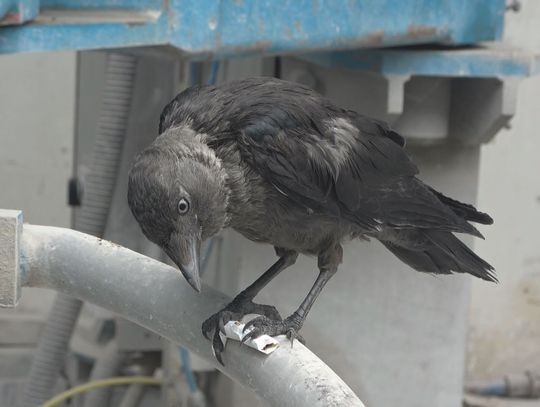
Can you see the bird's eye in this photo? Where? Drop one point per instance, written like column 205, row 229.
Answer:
column 183, row 206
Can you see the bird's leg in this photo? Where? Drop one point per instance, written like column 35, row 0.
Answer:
column 243, row 303
column 328, row 263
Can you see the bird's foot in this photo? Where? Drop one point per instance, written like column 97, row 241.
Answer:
column 234, row 311
column 266, row 326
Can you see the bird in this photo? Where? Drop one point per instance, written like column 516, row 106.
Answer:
column 285, row 166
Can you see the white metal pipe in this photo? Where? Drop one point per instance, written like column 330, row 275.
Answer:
column 154, row 295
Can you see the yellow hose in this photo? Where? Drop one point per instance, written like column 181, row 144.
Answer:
column 113, row 381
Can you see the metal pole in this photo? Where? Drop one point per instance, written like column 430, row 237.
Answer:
column 155, row 296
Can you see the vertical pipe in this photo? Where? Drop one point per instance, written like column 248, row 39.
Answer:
column 108, row 364
column 51, row 350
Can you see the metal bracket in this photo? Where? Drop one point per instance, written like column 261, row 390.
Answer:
column 481, row 106
column 11, row 222
column 225, row 28
column 395, row 98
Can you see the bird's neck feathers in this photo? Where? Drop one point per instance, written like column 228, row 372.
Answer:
column 183, row 143
column 186, row 143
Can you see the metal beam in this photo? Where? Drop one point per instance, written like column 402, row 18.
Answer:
column 225, row 28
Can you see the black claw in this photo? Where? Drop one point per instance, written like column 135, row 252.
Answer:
column 217, row 346
column 249, row 324
column 246, row 326
column 248, row 336
column 292, row 334
column 221, row 325
column 208, row 327
column 270, row 323
column 218, row 357
column 206, row 333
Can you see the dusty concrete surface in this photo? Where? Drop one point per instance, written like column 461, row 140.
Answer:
column 505, row 319
column 37, row 106
column 37, row 119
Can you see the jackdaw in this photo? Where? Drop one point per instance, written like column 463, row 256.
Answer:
column 283, row 165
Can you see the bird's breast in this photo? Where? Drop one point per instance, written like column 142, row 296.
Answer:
column 264, row 214
column 282, row 223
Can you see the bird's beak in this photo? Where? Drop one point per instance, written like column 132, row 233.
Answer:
column 185, row 254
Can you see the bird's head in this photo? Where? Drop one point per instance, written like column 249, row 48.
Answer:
column 179, row 195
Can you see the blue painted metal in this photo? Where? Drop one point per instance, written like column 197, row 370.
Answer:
column 487, row 61
column 225, row 28
column 103, row 4
column 18, row 11
column 249, row 26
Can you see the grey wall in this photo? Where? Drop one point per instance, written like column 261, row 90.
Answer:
column 505, row 319
column 37, row 95
column 37, row 102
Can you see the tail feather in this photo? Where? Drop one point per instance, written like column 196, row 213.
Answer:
column 466, row 259
column 463, row 210
column 418, row 260
column 441, row 253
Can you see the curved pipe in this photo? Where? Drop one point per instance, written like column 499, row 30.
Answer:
column 154, row 295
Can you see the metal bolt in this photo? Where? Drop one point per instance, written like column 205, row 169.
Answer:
column 75, row 192
column 514, row 5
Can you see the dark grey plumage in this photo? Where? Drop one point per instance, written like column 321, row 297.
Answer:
column 285, row 166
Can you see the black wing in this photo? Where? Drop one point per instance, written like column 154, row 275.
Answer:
column 323, row 158
column 335, row 161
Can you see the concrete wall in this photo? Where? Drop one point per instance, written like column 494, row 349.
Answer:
column 37, row 116
column 37, row 102
column 37, row 96
column 505, row 319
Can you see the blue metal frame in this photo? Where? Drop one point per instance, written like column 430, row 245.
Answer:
column 225, row 28
column 487, row 61
column 213, row 29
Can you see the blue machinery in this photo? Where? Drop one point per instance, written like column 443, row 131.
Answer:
column 327, row 33
column 433, row 68
column 210, row 29
column 224, row 28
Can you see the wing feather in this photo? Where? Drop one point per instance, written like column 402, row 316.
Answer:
column 327, row 159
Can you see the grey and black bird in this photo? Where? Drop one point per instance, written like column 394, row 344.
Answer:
column 283, row 165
